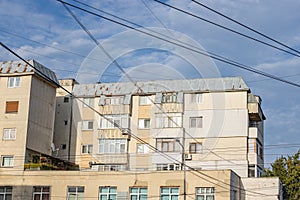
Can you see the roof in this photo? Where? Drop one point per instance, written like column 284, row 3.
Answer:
column 150, row 87
column 14, row 67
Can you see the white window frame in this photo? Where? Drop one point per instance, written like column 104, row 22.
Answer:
column 117, row 100
column 7, row 192
column 196, row 122
column 169, row 120
column 88, row 102
column 114, row 122
column 196, row 98
column 169, row 192
column 5, row 159
column 207, row 193
column 145, row 100
column 87, row 149
column 78, row 194
column 42, row 193
column 112, row 146
column 138, row 193
column 87, row 125
column 144, row 123
column 142, row 148
column 169, row 97
column 109, row 194
column 167, row 167
column 13, row 82
column 9, row 133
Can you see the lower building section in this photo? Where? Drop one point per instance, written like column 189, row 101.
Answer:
column 59, row 185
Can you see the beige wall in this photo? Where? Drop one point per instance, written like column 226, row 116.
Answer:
column 60, row 180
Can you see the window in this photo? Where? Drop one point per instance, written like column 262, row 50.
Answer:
column 63, row 146
column 75, row 193
column 196, row 122
column 112, row 146
column 195, row 148
column 7, row 161
column 87, row 102
column 167, row 167
column 145, row 100
column 168, row 145
column 169, row 193
column 66, row 99
column 87, row 148
column 196, row 98
column 66, row 122
column 251, row 171
column 13, row 82
column 144, row 123
column 142, row 148
column 114, row 100
column 12, row 106
column 9, row 134
column 171, row 120
column 5, row 192
column 87, row 125
column 205, row 193
column 41, row 193
column 169, row 98
column 107, row 193
column 114, row 121
column 251, row 143
column 113, row 167
column 138, row 193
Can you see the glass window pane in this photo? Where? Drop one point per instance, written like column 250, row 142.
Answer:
column 113, row 190
column 164, row 190
column 174, row 190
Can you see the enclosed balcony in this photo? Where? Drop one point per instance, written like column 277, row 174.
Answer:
column 254, row 109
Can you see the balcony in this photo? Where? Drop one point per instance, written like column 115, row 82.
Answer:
column 254, row 109
column 112, row 158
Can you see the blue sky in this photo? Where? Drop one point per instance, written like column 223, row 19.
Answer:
column 43, row 30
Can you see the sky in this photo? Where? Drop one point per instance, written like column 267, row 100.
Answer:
column 44, row 30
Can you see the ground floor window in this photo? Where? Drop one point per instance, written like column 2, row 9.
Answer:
column 138, row 193
column 41, row 193
column 75, row 193
column 169, row 193
column 7, row 161
column 167, row 167
column 205, row 193
column 5, row 192
column 107, row 193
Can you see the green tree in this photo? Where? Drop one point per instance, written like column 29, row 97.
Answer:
column 288, row 171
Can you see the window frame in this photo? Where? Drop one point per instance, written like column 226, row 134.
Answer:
column 109, row 194
column 15, row 83
column 112, row 146
column 11, row 161
column 42, row 193
column 144, row 123
column 169, row 194
column 114, row 121
column 88, row 148
column 85, row 125
column 143, row 195
column 145, row 100
column 7, row 191
column 10, row 134
column 170, row 97
column 167, row 144
column 207, row 192
column 76, row 193
column 197, row 148
column 198, row 122
column 196, row 98
column 169, row 120
column 144, row 148
column 167, row 167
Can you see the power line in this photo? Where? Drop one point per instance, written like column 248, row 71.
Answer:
column 226, row 28
column 227, row 61
column 245, row 26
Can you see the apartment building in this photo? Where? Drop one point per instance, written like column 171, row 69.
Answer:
column 171, row 139
column 210, row 124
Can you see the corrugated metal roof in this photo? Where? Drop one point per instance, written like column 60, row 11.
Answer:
column 150, row 87
column 13, row 67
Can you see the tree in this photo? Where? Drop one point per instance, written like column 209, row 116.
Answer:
column 288, row 171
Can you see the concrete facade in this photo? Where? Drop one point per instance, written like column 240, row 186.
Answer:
column 172, row 139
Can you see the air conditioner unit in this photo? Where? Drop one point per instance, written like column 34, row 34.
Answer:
column 188, row 156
